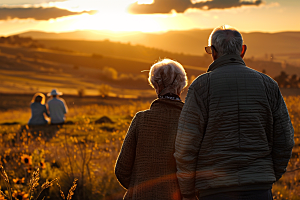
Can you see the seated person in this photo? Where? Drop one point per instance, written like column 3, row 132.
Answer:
column 57, row 108
column 38, row 110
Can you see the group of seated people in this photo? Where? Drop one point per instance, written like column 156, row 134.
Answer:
column 56, row 108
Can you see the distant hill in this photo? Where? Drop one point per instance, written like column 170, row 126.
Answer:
column 28, row 65
column 101, row 50
column 282, row 45
column 124, row 50
column 28, row 70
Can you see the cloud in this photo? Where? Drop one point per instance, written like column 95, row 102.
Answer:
column 28, row 2
column 38, row 13
column 165, row 6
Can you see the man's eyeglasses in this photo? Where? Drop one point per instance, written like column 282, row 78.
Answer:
column 208, row 49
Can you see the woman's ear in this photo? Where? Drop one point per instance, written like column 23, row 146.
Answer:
column 179, row 92
column 156, row 88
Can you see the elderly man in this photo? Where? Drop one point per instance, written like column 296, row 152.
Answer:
column 234, row 137
column 57, row 108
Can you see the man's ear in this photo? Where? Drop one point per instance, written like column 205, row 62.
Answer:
column 243, row 51
column 214, row 54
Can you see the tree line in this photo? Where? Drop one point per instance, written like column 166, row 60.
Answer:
column 285, row 80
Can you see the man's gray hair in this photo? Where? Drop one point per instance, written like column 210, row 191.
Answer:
column 226, row 40
column 168, row 74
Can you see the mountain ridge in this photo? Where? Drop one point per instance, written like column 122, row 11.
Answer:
column 188, row 42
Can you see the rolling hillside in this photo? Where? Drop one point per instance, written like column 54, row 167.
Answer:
column 28, row 70
column 273, row 67
column 89, row 67
column 282, row 45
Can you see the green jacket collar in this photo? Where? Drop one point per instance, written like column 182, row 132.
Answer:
column 225, row 60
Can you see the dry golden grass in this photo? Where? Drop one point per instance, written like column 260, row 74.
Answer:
column 72, row 189
column 87, row 151
column 83, row 150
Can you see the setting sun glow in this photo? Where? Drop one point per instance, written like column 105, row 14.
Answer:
column 115, row 22
column 111, row 15
column 149, row 15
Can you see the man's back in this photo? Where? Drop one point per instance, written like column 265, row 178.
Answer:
column 238, row 112
column 58, row 109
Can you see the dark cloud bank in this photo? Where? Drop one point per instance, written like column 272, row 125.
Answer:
column 165, row 6
column 36, row 13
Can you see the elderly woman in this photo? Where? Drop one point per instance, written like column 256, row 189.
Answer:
column 38, row 110
column 146, row 166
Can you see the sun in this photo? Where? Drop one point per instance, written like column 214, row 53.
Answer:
column 145, row 1
column 113, row 16
column 116, row 21
column 110, row 15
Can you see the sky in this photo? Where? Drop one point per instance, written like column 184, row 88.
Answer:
column 17, row 16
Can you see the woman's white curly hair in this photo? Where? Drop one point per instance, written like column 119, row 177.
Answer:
column 168, row 75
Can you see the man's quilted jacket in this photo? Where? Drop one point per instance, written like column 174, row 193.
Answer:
column 234, row 132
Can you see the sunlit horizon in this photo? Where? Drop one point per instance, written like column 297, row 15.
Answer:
column 113, row 16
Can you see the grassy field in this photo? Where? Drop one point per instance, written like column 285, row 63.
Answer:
column 86, row 149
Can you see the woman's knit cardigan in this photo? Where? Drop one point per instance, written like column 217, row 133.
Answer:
column 146, row 166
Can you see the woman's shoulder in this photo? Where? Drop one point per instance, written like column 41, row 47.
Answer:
column 159, row 104
column 34, row 104
column 141, row 113
column 138, row 117
column 37, row 105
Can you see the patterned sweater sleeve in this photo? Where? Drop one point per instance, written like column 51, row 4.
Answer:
column 125, row 161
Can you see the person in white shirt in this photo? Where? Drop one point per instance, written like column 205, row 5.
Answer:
column 57, row 107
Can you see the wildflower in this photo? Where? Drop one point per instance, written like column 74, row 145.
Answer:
column 29, row 169
column 42, row 165
column 19, row 195
column 26, row 159
column 18, row 181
